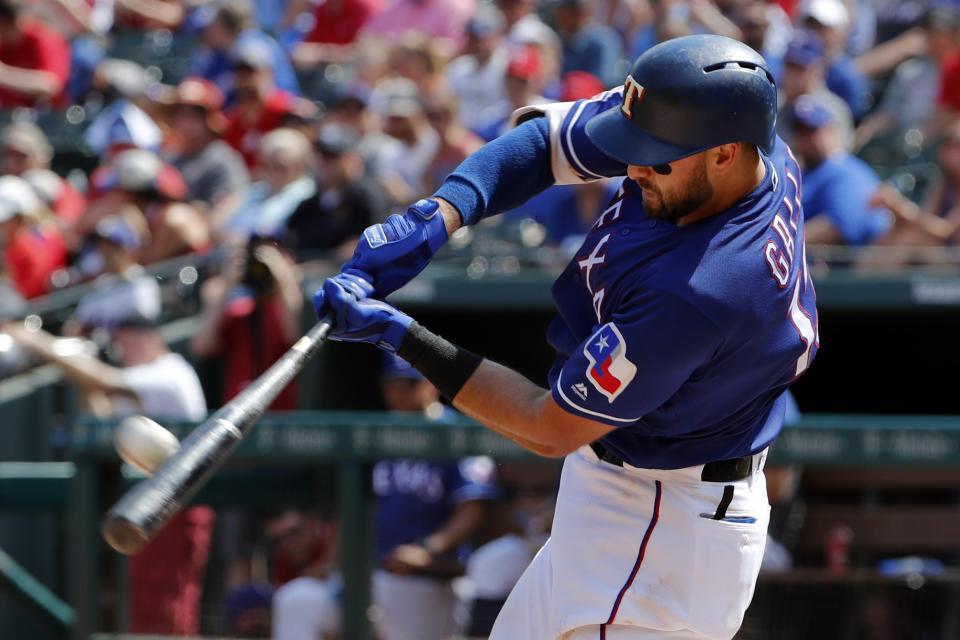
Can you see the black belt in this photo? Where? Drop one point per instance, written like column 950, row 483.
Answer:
column 716, row 471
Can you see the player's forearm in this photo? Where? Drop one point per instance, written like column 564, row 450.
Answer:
column 508, row 403
column 502, row 174
column 502, row 399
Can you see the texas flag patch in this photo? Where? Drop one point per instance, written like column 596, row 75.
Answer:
column 609, row 371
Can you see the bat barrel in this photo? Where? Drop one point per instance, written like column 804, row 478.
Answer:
column 143, row 510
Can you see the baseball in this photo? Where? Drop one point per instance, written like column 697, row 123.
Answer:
column 144, row 444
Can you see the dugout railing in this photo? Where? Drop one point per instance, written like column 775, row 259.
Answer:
column 281, row 458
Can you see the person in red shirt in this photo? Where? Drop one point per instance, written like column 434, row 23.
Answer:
column 34, row 60
column 336, row 24
column 33, row 248
column 259, row 106
column 251, row 317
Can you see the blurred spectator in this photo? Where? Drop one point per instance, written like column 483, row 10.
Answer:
column 351, row 108
column 476, row 77
column 233, row 27
column 830, row 20
column 566, row 211
column 837, row 186
column 284, row 183
column 150, row 194
column 803, row 74
column 910, row 97
column 124, row 290
column 347, row 200
column 214, row 172
column 523, row 84
column 250, row 317
column 443, row 19
column 494, row 567
column 259, row 106
column 148, row 379
column 675, row 18
column 83, row 23
column 303, row 544
column 524, row 26
column 419, row 60
column 27, row 153
column 33, row 248
column 34, row 60
column 425, row 511
column 403, row 168
column 166, row 577
column 587, row 44
column 579, row 85
column 624, row 16
column 124, row 123
column 147, row 14
column 456, row 142
column 306, row 604
column 304, row 116
column 754, row 18
column 933, row 224
column 247, row 610
column 336, row 24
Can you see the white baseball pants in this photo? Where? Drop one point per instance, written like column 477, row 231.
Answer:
column 636, row 554
column 413, row 607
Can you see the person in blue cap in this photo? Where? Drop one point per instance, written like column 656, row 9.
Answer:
column 837, row 185
column 804, row 73
column 683, row 318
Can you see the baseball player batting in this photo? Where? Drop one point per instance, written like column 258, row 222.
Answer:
column 681, row 322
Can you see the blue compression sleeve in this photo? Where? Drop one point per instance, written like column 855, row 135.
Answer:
column 503, row 174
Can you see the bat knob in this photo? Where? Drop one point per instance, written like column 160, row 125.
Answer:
column 123, row 535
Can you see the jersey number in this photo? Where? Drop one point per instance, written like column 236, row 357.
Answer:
column 802, row 321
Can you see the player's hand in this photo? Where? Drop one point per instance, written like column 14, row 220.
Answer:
column 395, row 251
column 362, row 319
column 357, row 284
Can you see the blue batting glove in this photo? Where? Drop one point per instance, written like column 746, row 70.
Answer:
column 364, row 319
column 356, row 284
column 397, row 250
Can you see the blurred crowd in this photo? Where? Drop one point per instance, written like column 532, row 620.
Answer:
column 256, row 136
column 202, row 124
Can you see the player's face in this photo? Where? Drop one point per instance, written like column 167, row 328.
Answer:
column 672, row 196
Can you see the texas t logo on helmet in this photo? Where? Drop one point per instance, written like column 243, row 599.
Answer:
column 632, row 92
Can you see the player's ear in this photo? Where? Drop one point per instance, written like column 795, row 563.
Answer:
column 721, row 159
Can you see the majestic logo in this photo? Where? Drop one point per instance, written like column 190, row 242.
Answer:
column 580, row 389
column 609, row 371
column 632, row 92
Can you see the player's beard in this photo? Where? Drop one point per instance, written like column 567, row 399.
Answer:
column 688, row 197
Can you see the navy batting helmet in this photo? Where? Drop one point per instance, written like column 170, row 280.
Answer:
column 687, row 95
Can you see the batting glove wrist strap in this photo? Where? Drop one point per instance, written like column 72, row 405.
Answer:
column 443, row 363
column 395, row 251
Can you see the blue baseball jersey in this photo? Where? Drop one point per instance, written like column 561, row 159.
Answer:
column 684, row 338
column 840, row 188
column 416, row 497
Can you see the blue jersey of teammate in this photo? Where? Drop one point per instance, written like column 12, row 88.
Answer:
column 416, row 497
column 682, row 337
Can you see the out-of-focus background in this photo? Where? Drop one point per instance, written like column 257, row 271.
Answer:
column 179, row 175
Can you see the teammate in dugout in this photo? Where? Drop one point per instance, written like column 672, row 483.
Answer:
column 685, row 316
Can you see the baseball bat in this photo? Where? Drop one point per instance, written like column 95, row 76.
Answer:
column 137, row 516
